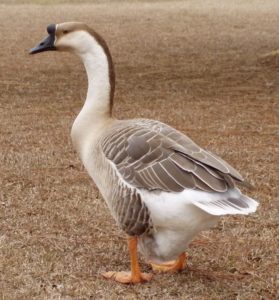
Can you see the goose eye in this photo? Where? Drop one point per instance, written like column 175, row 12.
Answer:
column 65, row 31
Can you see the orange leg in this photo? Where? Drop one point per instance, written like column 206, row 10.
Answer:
column 135, row 276
column 172, row 266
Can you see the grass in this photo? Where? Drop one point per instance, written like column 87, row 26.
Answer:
column 198, row 66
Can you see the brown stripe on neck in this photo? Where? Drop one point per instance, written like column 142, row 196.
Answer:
column 104, row 45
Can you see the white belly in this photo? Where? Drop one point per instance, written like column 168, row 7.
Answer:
column 176, row 222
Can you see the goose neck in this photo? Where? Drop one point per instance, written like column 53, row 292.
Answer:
column 96, row 111
column 99, row 94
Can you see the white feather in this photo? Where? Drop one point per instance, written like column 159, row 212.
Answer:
column 178, row 217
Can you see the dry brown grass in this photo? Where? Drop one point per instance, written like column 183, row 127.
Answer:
column 196, row 65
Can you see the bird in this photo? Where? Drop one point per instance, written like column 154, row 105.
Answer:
column 161, row 188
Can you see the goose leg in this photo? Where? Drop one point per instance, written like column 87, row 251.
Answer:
column 172, row 266
column 135, row 276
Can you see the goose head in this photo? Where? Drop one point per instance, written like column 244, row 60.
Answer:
column 71, row 36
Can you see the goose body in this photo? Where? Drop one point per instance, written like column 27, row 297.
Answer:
column 158, row 184
column 162, row 212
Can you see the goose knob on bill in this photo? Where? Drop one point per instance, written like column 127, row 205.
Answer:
column 161, row 188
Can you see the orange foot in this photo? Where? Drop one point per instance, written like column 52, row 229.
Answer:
column 171, row 266
column 126, row 277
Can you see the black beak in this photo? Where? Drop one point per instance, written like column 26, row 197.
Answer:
column 48, row 43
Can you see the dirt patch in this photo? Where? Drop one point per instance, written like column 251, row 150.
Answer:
column 208, row 68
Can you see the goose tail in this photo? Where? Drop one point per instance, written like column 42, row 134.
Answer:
column 229, row 203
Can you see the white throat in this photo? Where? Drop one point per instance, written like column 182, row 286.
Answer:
column 96, row 109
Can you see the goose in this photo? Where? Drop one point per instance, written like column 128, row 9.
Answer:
column 161, row 187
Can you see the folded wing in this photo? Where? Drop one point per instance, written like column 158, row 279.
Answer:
column 151, row 155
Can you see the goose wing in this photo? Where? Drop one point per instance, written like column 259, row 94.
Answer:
column 154, row 156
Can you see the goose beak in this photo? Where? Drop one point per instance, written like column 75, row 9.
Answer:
column 48, row 43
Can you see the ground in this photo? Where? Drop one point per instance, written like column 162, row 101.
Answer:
column 208, row 68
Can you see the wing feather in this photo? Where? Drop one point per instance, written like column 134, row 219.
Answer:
column 154, row 156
